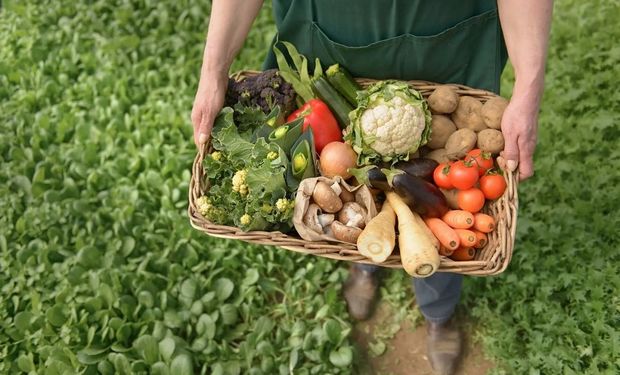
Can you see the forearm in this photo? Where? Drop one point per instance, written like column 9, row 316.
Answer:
column 228, row 27
column 526, row 25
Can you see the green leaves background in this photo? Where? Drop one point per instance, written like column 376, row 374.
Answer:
column 101, row 273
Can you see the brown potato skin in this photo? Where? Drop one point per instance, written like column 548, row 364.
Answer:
column 491, row 140
column 441, row 128
column 438, row 155
column 492, row 112
column 443, row 100
column 468, row 114
column 460, row 142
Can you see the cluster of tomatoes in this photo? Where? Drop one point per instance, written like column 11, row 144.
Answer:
column 475, row 179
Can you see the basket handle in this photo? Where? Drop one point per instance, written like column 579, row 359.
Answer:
column 198, row 174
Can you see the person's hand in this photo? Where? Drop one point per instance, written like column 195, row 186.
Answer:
column 520, row 126
column 207, row 104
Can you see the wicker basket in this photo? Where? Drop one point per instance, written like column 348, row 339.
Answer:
column 491, row 260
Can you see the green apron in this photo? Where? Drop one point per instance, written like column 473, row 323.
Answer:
column 448, row 41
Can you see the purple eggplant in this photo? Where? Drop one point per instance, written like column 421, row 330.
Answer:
column 372, row 176
column 420, row 167
column 423, row 197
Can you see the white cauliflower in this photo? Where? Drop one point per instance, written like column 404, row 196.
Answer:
column 391, row 121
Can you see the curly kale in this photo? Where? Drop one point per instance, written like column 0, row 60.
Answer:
column 266, row 90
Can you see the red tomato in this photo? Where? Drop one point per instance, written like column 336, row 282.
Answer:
column 492, row 185
column 440, row 176
column 483, row 160
column 463, row 175
column 471, row 200
column 317, row 115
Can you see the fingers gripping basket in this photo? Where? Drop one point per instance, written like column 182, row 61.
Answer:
column 492, row 259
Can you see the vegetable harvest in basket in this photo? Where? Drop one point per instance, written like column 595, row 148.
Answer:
column 381, row 148
column 251, row 176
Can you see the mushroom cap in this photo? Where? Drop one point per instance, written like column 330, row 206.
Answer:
column 326, row 198
column 345, row 233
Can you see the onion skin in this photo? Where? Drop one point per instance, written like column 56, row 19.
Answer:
column 336, row 158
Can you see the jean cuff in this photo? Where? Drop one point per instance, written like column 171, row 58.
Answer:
column 438, row 320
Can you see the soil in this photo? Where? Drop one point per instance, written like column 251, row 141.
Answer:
column 406, row 350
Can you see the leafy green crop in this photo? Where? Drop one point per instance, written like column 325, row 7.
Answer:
column 100, row 271
column 556, row 310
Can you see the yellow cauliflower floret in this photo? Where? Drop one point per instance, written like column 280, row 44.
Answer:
column 283, row 204
column 216, row 155
column 204, row 205
column 238, row 182
column 245, row 219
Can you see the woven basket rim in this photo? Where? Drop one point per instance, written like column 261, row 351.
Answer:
column 491, row 260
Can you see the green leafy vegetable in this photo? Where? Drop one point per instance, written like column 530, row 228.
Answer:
column 297, row 75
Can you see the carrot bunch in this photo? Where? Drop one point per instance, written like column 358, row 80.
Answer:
column 461, row 232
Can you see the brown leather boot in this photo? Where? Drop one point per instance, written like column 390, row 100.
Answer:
column 444, row 344
column 360, row 292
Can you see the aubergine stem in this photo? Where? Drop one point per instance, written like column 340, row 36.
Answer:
column 390, row 174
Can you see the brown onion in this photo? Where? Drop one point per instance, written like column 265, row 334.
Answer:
column 336, row 158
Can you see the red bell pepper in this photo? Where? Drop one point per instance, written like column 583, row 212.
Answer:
column 317, row 115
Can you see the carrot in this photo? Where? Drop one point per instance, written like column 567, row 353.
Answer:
column 467, row 237
column 446, row 235
column 459, row 219
column 484, row 223
column 445, row 252
column 463, row 253
column 378, row 238
column 419, row 249
column 481, row 239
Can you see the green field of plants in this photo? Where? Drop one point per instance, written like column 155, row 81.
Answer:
column 100, row 271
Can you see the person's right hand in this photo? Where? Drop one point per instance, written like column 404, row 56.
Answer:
column 207, row 104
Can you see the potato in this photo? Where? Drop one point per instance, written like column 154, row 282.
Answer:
column 441, row 128
column 491, row 140
column 492, row 112
column 438, row 155
column 468, row 114
column 443, row 100
column 460, row 142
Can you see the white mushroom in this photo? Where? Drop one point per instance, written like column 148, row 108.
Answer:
column 326, row 219
column 336, row 188
column 353, row 215
column 311, row 218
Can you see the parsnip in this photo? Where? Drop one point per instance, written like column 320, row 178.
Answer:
column 419, row 249
column 378, row 239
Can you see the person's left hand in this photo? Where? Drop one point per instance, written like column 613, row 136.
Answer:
column 520, row 127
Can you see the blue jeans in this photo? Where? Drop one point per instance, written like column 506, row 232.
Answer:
column 437, row 295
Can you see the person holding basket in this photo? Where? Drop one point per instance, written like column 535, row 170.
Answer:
column 452, row 41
